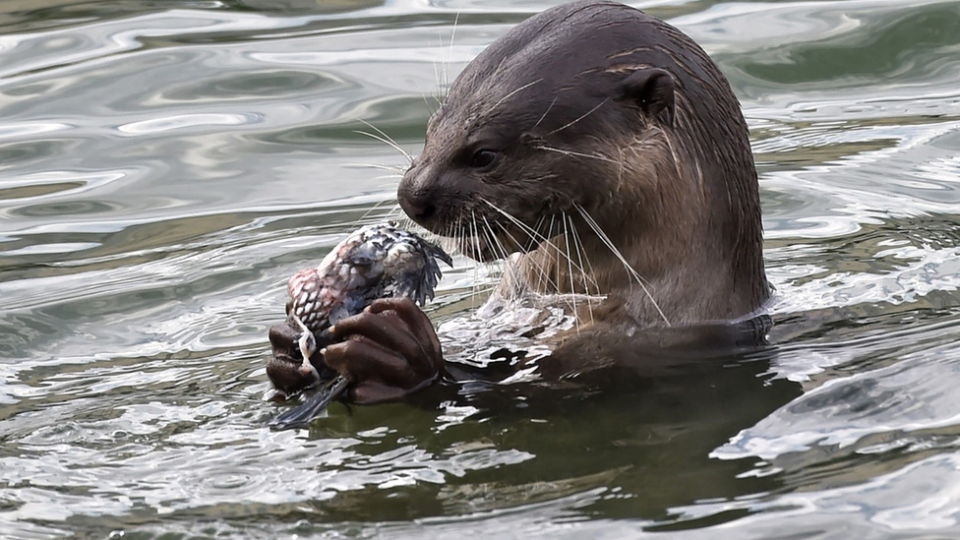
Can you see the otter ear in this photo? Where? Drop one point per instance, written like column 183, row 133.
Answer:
column 652, row 89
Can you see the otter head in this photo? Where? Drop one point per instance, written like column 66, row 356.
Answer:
column 595, row 112
column 530, row 131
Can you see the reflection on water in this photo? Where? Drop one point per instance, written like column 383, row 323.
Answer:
column 165, row 166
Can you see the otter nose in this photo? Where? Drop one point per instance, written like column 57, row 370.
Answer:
column 415, row 201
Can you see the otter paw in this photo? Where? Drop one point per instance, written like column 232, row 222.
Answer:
column 389, row 350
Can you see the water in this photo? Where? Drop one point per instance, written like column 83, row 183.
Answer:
column 166, row 166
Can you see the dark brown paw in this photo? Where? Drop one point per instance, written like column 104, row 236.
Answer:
column 389, row 351
column 286, row 370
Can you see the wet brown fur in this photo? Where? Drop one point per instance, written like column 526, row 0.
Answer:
column 671, row 182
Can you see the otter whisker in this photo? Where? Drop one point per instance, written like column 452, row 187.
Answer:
column 507, row 232
column 492, row 243
column 445, row 79
column 586, row 278
column 475, row 244
column 436, row 77
column 495, row 244
column 541, row 271
column 405, row 221
column 444, row 82
column 391, row 144
column 384, row 138
column 455, row 239
column 386, row 176
column 374, row 208
column 573, row 291
column 586, row 114
column 586, row 270
column 555, row 263
column 426, row 103
column 613, row 249
column 620, row 169
column 440, row 75
column 540, row 263
column 394, row 168
column 673, row 152
column 444, row 239
column 575, row 154
column 453, row 35
column 511, row 94
column 532, row 232
column 427, row 234
column 544, row 115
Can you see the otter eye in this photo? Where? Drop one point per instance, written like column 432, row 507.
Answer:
column 482, row 158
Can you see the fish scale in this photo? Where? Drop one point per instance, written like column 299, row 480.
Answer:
column 376, row 261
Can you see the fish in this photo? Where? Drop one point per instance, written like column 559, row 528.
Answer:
column 376, row 261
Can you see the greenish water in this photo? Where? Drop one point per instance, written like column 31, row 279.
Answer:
column 166, row 166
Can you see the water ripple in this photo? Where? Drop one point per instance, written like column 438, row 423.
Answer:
column 164, row 171
column 184, row 121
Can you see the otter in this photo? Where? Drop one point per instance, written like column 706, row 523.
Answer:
column 590, row 117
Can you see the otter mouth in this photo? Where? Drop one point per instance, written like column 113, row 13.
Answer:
column 492, row 243
column 480, row 249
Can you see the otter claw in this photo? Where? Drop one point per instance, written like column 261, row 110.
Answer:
column 308, row 346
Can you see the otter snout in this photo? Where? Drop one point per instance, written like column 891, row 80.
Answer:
column 428, row 199
column 415, row 201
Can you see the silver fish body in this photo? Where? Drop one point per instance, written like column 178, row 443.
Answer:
column 376, row 261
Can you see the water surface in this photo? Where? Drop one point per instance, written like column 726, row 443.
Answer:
column 166, row 166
